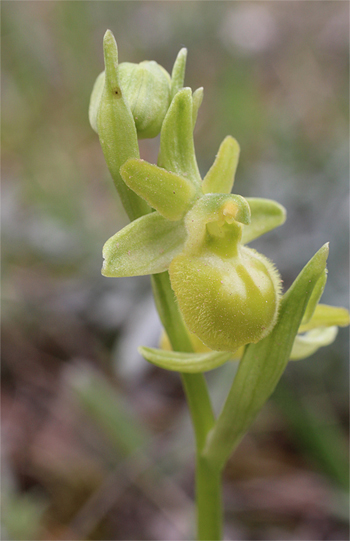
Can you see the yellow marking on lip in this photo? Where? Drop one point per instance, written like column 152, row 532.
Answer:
column 229, row 211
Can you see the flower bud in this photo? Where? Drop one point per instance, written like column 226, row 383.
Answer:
column 146, row 87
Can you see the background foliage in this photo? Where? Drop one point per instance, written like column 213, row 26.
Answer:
column 96, row 443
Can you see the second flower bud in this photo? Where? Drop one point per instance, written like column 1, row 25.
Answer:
column 146, row 88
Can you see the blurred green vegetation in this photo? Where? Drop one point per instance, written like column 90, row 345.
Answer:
column 275, row 76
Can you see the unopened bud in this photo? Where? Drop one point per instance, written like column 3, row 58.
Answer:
column 146, row 87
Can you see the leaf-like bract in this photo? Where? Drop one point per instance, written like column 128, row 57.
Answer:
column 262, row 365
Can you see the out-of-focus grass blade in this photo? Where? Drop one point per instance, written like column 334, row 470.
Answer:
column 21, row 516
column 108, row 410
column 322, row 439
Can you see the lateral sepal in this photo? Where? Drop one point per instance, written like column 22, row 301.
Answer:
column 145, row 246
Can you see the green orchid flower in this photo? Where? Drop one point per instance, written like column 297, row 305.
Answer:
column 198, row 233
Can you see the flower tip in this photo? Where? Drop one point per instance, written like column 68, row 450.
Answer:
column 110, row 51
column 108, row 37
column 233, row 143
column 110, row 44
column 321, row 256
column 103, row 270
column 325, row 249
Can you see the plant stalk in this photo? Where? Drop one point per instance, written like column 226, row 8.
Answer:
column 208, row 479
column 208, row 501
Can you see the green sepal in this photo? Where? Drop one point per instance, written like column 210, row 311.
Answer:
column 170, row 194
column 116, row 129
column 221, row 175
column 315, row 297
column 266, row 214
column 178, row 72
column 189, row 363
column 262, row 365
column 95, row 100
column 197, row 99
column 145, row 246
column 307, row 344
column 177, row 152
column 327, row 316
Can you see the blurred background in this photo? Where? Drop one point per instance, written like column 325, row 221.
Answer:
column 97, row 443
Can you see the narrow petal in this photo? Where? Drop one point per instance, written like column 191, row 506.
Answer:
column 307, row 344
column 266, row 214
column 197, row 99
column 177, row 152
column 145, row 246
column 189, row 363
column 178, row 72
column 168, row 193
column 221, row 175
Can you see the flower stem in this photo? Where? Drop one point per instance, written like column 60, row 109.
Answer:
column 208, row 499
column 208, row 479
column 198, row 401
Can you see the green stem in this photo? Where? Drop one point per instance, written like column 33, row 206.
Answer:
column 208, row 479
column 199, row 404
column 208, row 498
